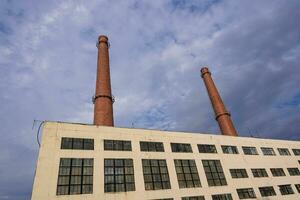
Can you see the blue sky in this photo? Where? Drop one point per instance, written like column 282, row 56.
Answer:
column 48, row 64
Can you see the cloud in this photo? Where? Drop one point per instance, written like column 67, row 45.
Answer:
column 48, row 64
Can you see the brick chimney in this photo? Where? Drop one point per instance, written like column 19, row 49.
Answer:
column 222, row 115
column 103, row 100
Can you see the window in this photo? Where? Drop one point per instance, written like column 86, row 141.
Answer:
column 229, row 149
column 214, row 172
column 193, row 198
column 268, row 151
column 296, row 152
column 297, row 187
column 221, row 197
column 117, row 145
column 286, row 189
column 293, row 171
column 164, row 199
column 259, row 172
column 156, row 176
column 246, row 193
column 277, row 172
column 118, row 175
column 238, row 173
column 75, row 176
column 284, row 152
column 187, row 173
column 152, row 146
column 250, row 150
column 181, row 147
column 77, row 143
column 267, row 191
column 207, row 148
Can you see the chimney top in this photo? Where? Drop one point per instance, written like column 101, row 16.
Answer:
column 204, row 70
column 102, row 38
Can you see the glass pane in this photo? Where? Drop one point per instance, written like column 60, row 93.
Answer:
column 128, row 170
column 76, row 162
column 64, row 171
column 108, row 162
column 62, row 190
column 63, row 180
column 76, row 171
column 109, row 188
column 88, row 144
column 87, row 189
column 75, row 189
column 65, row 162
column 120, row 187
column 88, row 162
column 109, row 179
column 66, row 143
column 119, row 162
column 77, row 143
column 119, row 179
column 87, row 180
column 88, row 171
column 130, row 187
column 76, row 180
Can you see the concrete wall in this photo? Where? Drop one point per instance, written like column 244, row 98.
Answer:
column 46, row 176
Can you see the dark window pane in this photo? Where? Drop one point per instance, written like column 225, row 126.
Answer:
column 284, row 152
column 207, row 148
column 222, row 197
column 117, row 145
column 250, row 150
column 286, row 189
column 246, row 193
column 267, row 191
column 277, row 172
column 268, row 151
column 229, row 149
column 155, row 174
column 118, row 175
column 181, row 147
column 71, row 179
column 214, row 172
column 66, row 143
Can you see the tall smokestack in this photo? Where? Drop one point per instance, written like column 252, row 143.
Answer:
column 222, row 115
column 103, row 100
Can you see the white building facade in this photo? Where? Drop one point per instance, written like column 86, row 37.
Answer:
column 88, row 162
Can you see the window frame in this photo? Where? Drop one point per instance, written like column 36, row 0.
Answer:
column 118, row 175
column 267, row 191
column 268, row 151
column 238, row 173
column 86, row 143
column 249, row 150
column 187, row 169
column 207, row 148
column 181, row 148
column 157, row 172
column 293, row 171
column 259, row 172
column 286, row 189
column 72, row 170
column 214, row 172
column 229, row 149
column 284, row 151
column 276, row 172
column 246, row 193
column 149, row 146
column 117, row 145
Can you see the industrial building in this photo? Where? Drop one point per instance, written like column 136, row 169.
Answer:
column 99, row 161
